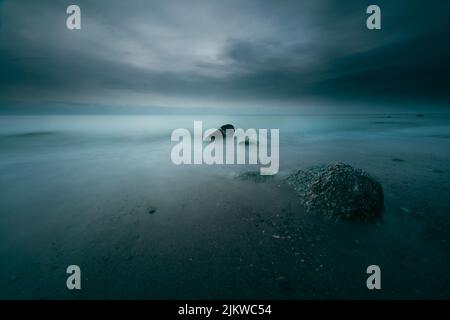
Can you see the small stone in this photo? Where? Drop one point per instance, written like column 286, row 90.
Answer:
column 405, row 210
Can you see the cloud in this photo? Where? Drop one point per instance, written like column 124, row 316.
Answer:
column 207, row 53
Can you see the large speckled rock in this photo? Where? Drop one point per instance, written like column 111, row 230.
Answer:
column 339, row 191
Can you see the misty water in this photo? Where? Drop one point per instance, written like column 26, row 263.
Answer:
column 101, row 192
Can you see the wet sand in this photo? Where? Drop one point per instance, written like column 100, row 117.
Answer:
column 142, row 228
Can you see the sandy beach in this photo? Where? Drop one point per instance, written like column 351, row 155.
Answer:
column 101, row 192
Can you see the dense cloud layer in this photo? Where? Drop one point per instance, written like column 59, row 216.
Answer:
column 222, row 53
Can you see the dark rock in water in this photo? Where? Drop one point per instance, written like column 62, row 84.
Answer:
column 249, row 141
column 398, row 160
column 420, row 115
column 151, row 210
column 223, row 130
column 254, row 176
column 226, row 127
column 339, row 191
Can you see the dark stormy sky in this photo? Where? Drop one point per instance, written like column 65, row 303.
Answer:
column 223, row 54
